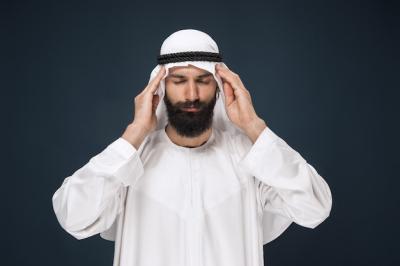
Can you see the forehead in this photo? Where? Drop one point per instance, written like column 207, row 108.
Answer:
column 188, row 71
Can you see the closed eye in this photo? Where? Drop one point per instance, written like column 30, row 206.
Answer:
column 200, row 81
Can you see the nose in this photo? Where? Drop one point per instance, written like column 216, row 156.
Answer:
column 192, row 92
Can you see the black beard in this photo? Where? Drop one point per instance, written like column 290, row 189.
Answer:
column 190, row 124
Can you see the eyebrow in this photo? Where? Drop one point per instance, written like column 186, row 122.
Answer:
column 182, row 76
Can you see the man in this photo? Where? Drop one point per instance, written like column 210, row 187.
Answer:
column 197, row 178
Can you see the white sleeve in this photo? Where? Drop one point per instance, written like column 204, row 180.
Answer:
column 89, row 200
column 289, row 185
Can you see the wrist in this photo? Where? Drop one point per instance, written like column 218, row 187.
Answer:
column 254, row 128
column 134, row 134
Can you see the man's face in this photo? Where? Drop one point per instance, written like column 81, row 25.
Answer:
column 190, row 97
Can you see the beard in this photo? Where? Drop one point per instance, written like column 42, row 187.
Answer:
column 190, row 124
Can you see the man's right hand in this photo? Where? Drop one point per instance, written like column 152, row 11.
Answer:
column 145, row 119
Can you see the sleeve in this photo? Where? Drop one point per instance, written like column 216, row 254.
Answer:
column 289, row 185
column 88, row 201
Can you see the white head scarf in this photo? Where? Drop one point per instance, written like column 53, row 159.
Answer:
column 190, row 40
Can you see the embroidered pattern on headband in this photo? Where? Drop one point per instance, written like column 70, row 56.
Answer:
column 189, row 56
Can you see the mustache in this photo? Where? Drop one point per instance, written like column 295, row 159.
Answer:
column 190, row 104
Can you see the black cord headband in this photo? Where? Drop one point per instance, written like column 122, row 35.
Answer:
column 189, row 56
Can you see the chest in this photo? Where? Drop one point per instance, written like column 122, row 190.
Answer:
column 180, row 181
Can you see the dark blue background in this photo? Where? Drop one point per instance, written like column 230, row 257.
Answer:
column 324, row 75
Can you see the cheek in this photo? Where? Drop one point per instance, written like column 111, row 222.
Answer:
column 209, row 90
column 173, row 93
column 171, row 89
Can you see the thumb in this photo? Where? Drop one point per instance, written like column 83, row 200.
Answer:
column 229, row 95
column 155, row 101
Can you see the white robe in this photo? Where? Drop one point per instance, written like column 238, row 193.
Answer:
column 213, row 205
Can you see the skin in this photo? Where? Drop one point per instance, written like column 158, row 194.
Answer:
column 189, row 84
column 238, row 104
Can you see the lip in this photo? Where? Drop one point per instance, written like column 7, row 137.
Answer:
column 191, row 109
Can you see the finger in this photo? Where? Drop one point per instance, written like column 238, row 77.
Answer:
column 232, row 77
column 229, row 76
column 228, row 88
column 228, row 92
column 156, row 81
column 153, row 85
column 237, row 89
column 155, row 101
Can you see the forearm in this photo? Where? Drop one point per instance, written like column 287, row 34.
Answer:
column 254, row 129
column 134, row 134
column 290, row 186
column 88, row 201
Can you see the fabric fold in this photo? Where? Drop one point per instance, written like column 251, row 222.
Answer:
column 89, row 200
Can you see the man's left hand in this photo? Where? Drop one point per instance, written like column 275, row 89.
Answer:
column 238, row 103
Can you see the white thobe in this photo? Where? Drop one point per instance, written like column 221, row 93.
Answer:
column 213, row 205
